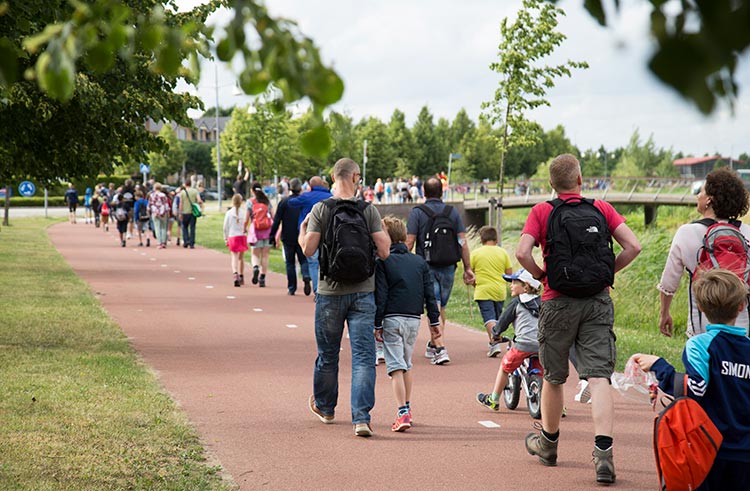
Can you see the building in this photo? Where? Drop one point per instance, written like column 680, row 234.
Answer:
column 698, row 167
column 205, row 129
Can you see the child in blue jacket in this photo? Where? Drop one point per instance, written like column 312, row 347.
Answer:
column 403, row 289
column 717, row 364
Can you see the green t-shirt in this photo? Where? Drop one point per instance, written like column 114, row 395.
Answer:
column 489, row 263
column 184, row 203
column 319, row 216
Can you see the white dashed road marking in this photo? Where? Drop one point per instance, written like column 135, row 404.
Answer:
column 489, row 424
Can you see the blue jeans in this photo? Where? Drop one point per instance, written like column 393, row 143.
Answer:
column 188, row 229
column 442, row 281
column 290, row 252
column 314, row 267
column 358, row 310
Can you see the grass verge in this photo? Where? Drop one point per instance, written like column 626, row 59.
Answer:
column 79, row 410
column 635, row 296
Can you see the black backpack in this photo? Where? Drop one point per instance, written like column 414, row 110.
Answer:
column 347, row 253
column 143, row 213
column 441, row 247
column 579, row 258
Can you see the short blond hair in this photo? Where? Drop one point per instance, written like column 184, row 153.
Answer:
column 720, row 294
column 396, row 229
column 564, row 172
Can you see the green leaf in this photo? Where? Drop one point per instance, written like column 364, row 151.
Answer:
column 56, row 76
column 100, row 57
column 328, row 88
column 8, row 62
column 225, row 50
column 316, row 141
column 596, row 10
column 254, row 83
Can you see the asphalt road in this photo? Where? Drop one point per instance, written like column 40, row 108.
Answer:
column 239, row 362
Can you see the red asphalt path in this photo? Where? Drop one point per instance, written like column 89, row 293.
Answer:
column 239, row 362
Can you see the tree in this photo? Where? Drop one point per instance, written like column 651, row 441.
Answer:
column 523, row 81
column 223, row 112
column 698, row 46
column 645, row 159
column 480, row 157
column 427, row 160
column 345, row 142
column 380, row 154
column 259, row 136
column 98, row 70
column 460, row 127
column 403, row 145
column 198, row 157
column 171, row 159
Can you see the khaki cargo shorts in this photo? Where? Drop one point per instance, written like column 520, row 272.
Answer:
column 582, row 323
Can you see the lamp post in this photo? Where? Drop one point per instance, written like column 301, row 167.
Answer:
column 218, row 139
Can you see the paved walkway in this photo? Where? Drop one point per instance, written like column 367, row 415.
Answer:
column 239, row 361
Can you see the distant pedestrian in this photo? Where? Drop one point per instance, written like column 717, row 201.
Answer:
column 96, row 207
column 188, row 196
column 305, row 202
column 239, row 185
column 142, row 218
column 258, row 221
column 489, row 263
column 88, row 213
column 287, row 218
column 442, row 275
column 235, row 237
column 158, row 205
column 71, row 199
column 403, row 290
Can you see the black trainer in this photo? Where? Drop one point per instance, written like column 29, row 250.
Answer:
column 256, row 272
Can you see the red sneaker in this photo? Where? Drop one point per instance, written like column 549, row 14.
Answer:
column 403, row 423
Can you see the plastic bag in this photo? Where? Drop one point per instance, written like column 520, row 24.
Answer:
column 636, row 384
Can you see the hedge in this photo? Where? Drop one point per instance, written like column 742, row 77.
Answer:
column 36, row 201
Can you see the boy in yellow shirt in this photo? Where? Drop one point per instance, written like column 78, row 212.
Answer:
column 490, row 262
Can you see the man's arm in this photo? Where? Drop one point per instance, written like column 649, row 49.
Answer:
column 308, row 241
column 383, row 243
column 410, row 240
column 631, row 247
column 466, row 259
column 525, row 256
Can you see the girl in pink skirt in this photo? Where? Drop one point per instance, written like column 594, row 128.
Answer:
column 235, row 236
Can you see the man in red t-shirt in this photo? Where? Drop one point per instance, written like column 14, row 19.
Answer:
column 585, row 323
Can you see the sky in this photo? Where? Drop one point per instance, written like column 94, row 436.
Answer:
column 405, row 54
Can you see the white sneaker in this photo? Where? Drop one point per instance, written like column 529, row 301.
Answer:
column 441, row 358
column 430, row 351
column 494, row 350
column 584, row 393
column 129, row 236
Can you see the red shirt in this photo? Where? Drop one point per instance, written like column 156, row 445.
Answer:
column 536, row 226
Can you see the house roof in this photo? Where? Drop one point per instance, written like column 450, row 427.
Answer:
column 701, row 160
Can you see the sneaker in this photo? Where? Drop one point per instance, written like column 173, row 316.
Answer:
column 379, row 351
column 262, row 281
column 430, row 351
column 290, row 293
column 122, row 243
column 236, row 279
column 148, row 242
column 308, row 286
column 322, row 417
column 495, row 349
column 178, row 241
column 604, row 465
column 537, row 444
column 256, row 272
column 441, row 358
column 402, row 423
column 140, row 244
column 130, row 236
column 363, row 429
column 486, row 401
column 242, row 279
column 584, row 393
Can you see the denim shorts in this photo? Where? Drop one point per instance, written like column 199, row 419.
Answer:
column 585, row 323
column 490, row 309
column 399, row 337
column 442, row 281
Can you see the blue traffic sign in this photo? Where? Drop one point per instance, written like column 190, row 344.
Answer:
column 145, row 169
column 27, row 188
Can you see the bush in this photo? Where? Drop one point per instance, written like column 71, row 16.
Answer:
column 37, row 201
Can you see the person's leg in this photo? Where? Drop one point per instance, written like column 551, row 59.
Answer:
column 408, row 382
column 185, row 232
column 193, row 224
column 303, row 264
column 501, row 380
column 360, row 319
column 291, row 270
column 399, row 387
column 329, row 328
column 552, row 406
column 602, row 406
column 241, row 265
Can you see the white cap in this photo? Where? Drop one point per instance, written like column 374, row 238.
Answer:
column 525, row 276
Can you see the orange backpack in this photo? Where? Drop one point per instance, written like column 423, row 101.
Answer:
column 686, row 442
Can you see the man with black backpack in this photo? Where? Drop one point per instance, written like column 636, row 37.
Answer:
column 348, row 234
column 440, row 238
column 575, row 235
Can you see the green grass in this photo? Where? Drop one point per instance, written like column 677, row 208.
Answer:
column 79, row 410
column 635, row 295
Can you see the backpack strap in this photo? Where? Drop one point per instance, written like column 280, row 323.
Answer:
column 427, row 211
column 680, row 385
column 706, row 221
column 447, row 209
